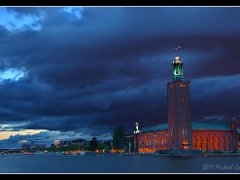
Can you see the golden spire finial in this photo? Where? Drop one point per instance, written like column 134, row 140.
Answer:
column 177, row 59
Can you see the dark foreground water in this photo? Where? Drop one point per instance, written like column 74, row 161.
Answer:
column 116, row 164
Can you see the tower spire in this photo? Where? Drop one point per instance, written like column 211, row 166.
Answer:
column 177, row 58
column 177, row 66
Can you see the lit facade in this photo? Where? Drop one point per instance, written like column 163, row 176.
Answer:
column 205, row 136
column 57, row 142
column 180, row 133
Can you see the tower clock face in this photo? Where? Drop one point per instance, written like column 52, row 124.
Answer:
column 177, row 71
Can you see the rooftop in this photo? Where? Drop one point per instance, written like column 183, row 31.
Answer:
column 158, row 127
column 195, row 126
column 210, row 126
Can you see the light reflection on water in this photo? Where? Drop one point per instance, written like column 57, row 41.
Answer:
column 116, row 164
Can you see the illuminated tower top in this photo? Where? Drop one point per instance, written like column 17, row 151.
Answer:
column 177, row 73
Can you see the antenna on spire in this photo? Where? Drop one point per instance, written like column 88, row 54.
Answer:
column 177, row 48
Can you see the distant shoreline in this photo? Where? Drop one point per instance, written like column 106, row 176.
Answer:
column 174, row 154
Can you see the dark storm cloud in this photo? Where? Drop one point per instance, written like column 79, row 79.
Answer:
column 98, row 71
column 219, row 97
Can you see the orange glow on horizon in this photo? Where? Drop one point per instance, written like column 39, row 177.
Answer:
column 6, row 134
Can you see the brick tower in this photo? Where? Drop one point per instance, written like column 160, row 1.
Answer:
column 179, row 109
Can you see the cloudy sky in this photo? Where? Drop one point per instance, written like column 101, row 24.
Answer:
column 78, row 72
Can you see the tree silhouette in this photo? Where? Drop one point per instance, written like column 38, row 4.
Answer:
column 119, row 137
column 93, row 144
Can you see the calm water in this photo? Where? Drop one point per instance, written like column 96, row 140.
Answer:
column 116, row 164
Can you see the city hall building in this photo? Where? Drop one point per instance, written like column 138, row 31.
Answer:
column 180, row 133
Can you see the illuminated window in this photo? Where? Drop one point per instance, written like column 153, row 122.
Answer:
column 182, row 85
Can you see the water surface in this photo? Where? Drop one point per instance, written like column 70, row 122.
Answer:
column 116, row 164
